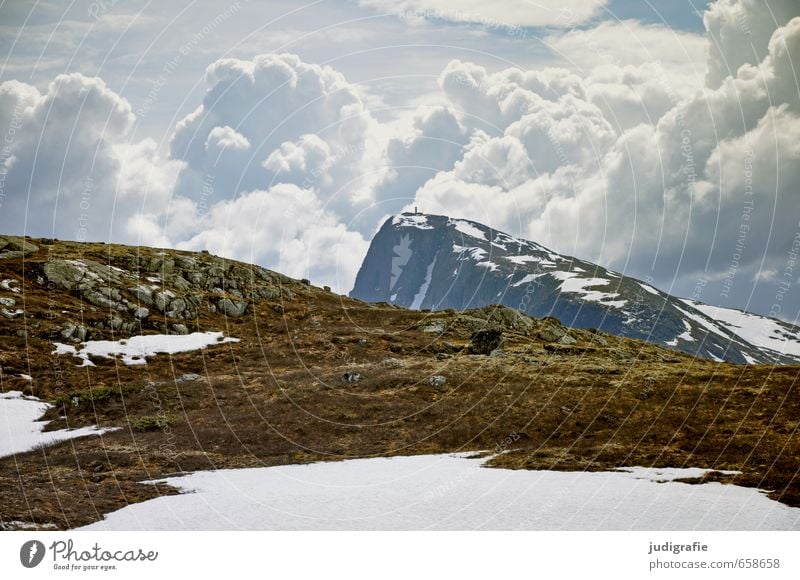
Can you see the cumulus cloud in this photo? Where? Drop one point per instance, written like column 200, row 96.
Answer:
column 433, row 142
column 620, row 167
column 286, row 227
column 280, row 120
column 739, row 33
column 493, row 14
column 68, row 165
column 71, row 168
column 665, row 154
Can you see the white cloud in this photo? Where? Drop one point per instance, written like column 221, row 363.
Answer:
column 286, row 228
column 66, row 150
column 739, row 32
column 618, row 168
column 289, row 112
column 220, row 138
column 621, row 153
column 527, row 13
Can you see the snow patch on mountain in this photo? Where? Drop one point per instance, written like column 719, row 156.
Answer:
column 412, row 221
column 469, row 229
column 686, row 335
column 758, row 330
column 649, row 289
column 571, row 283
column 419, row 297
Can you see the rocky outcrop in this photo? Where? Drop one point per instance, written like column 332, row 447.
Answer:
column 135, row 289
column 12, row 247
column 486, row 341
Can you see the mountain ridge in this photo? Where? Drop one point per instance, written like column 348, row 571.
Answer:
column 424, row 261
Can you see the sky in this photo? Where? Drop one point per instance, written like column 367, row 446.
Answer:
column 657, row 138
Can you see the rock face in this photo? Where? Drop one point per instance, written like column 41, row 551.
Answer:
column 435, row 262
column 129, row 290
column 12, row 247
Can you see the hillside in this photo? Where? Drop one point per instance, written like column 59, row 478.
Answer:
column 299, row 374
column 429, row 261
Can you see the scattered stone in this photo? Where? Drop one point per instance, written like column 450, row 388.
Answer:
column 483, row 342
column 363, row 341
column 232, row 308
column 326, row 288
column 162, row 300
column 141, row 313
column 392, row 363
column 351, row 377
column 567, row 339
column 434, row 327
column 67, row 330
column 188, row 378
column 437, row 381
column 144, row 294
column 180, row 329
column 12, row 247
column 278, row 308
column 550, row 331
column 7, row 302
column 504, row 317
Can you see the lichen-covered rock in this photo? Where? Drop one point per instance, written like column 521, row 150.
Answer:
column 437, row 381
column 551, row 330
column 63, row 273
column 141, row 313
column 12, row 247
column 144, row 294
column 485, row 341
column 162, row 299
column 180, row 329
column 232, row 308
column 504, row 317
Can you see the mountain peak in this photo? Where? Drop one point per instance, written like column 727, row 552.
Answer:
column 427, row 261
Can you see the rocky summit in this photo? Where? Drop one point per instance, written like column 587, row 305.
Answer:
column 149, row 362
column 435, row 262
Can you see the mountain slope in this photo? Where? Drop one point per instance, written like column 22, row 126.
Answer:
column 435, row 262
column 281, row 372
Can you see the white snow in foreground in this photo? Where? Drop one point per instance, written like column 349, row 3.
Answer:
column 469, row 229
column 759, row 331
column 21, row 430
column 571, row 283
column 136, row 349
column 413, row 221
column 448, row 492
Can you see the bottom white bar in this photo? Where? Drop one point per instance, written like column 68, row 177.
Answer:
column 389, row 555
